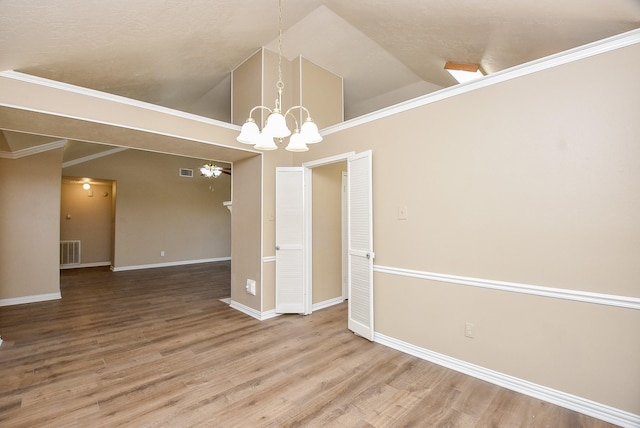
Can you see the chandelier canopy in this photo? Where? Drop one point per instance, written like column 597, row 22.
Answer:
column 275, row 127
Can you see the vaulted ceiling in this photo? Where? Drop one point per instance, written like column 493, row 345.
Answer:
column 179, row 54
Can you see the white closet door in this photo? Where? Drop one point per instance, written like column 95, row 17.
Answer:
column 290, row 262
column 360, row 245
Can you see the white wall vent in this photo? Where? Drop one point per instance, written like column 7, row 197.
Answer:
column 186, row 172
column 69, row 253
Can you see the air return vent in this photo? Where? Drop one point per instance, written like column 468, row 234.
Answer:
column 69, row 253
column 186, row 172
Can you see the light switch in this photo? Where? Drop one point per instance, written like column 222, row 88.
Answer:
column 403, row 213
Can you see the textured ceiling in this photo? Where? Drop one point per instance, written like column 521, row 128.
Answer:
column 179, row 53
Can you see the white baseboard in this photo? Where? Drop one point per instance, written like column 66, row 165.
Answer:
column 30, row 299
column 269, row 314
column 261, row 316
column 272, row 313
column 167, row 264
column 563, row 399
column 85, row 265
column 327, row 303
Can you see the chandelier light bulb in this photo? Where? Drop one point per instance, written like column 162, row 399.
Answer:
column 276, row 125
column 310, row 132
column 249, row 132
column 296, row 143
column 265, row 142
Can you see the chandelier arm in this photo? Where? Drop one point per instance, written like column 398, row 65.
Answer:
column 259, row 107
column 300, row 107
column 288, row 113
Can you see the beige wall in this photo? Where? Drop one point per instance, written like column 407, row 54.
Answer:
column 246, row 252
column 327, row 231
column 246, row 90
column 321, row 94
column 157, row 210
column 532, row 181
column 30, row 225
column 87, row 215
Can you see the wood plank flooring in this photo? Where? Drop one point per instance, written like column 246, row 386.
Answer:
column 157, row 348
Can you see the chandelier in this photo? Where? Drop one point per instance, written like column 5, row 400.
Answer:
column 275, row 127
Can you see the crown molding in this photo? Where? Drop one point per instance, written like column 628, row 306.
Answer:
column 66, row 87
column 596, row 48
column 33, row 150
column 93, row 156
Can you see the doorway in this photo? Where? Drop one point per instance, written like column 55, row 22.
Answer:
column 328, row 264
column 294, row 208
column 86, row 222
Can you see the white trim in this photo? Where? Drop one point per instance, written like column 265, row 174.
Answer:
column 33, row 150
column 308, row 216
column 563, row 399
column 30, row 299
column 262, row 293
column 265, row 315
column 328, row 303
column 28, row 78
column 167, row 264
column 536, row 290
column 261, row 316
column 85, row 265
column 571, row 55
column 93, row 156
column 307, row 236
column 329, row 160
column 268, row 259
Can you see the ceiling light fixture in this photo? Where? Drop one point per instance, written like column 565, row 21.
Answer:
column 275, row 126
column 209, row 170
column 463, row 72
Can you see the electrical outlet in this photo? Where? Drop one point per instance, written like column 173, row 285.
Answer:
column 251, row 286
column 470, row 330
column 161, row 253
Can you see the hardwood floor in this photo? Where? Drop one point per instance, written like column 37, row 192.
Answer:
column 158, row 348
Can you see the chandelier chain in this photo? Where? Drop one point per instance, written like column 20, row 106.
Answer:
column 279, row 83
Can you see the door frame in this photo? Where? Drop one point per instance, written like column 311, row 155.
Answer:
column 308, row 214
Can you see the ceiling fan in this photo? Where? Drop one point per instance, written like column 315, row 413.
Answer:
column 211, row 170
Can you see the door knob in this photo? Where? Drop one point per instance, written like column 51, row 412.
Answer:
column 277, row 247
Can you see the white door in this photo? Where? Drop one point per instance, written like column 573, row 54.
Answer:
column 360, row 244
column 291, row 287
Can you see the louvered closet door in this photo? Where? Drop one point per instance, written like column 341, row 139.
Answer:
column 360, row 245
column 290, row 269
